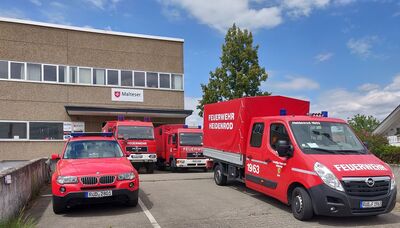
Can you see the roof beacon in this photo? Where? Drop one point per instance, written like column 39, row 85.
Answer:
column 282, row 112
column 324, row 113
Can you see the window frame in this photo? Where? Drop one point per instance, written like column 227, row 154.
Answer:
column 158, row 80
column 24, row 73
column 8, row 70
column 90, row 75
column 53, row 82
column 41, row 76
column 262, row 135
column 132, row 77
column 119, row 77
column 16, row 121
column 66, row 74
column 145, row 79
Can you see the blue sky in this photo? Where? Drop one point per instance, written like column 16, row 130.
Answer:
column 342, row 55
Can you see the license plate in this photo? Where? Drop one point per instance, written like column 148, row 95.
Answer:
column 196, row 161
column 99, row 194
column 136, row 156
column 371, row 204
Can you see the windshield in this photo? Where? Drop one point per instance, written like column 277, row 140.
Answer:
column 93, row 149
column 326, row 137
column 191, row 139
column 135, row 132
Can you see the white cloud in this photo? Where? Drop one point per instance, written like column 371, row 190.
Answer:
column 12, row 13
column 103, row 4
column 36, row 2
column 190, row 104
column 55, row 17
column 323, row 57
column 362, row 47
column 250, row 14
column 377, row 101
column 221, row 14
column 294, row 83
column 298, row 8
column 368, row 87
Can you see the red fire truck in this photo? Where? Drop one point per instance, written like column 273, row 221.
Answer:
column 313, row 163
column 180, row 146
column 136, row 139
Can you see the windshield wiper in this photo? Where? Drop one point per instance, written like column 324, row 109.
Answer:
column 353, row 151
column 324, row 150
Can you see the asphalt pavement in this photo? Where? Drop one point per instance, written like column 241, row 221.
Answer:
column 192, row 200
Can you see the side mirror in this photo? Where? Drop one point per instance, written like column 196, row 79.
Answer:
column 55, row 156
column 366, row 144
column 284, row 149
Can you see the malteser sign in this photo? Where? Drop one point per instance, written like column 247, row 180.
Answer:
column 132, row 95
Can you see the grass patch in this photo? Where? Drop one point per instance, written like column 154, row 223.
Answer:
column 19, row 221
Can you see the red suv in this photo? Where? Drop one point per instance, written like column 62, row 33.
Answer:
column 93, row 169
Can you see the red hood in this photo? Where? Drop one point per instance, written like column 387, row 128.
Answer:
column 84, row 167
column 353, row 165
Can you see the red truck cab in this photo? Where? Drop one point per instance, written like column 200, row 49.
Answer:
column 315, row 164
column 136, row 139
column 92, row 168
column 180, row 146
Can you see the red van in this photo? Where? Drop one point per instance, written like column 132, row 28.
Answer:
column 92, row 168
column 314, row 163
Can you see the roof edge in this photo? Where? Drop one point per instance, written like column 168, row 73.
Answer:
column 383, row 126
column 91, row 30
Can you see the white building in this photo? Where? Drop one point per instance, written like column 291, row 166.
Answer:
column 390, row 127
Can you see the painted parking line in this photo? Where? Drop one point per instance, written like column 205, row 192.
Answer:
column 149, row 215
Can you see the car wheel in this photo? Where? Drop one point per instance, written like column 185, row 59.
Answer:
column 150, row 168
column 301, row 204
column 219, row 177
column 58, row 206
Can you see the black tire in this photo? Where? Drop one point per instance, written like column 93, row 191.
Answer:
column 59, row 206
column 301, row 204
column 150, row 168
column 219, row 177
column 172, row 166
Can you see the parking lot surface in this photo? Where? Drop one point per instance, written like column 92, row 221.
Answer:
column 192, row 200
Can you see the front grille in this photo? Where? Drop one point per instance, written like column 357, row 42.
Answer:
column 136, row 149
column 107, row 179
column 98, row 187
column 195, row 155
column 359, row 187
column 89, row 180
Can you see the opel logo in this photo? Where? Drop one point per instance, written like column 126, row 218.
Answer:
column 370, row 182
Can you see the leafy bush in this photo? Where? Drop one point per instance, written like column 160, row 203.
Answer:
column 19, row 222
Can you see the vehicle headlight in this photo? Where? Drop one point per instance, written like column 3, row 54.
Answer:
column 67, row 179
column 392, row 183
column 328, row 177
column 126, row 176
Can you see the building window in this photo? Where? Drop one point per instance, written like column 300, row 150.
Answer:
column 62, row 73
column 99, row 76
column 164, row 81
column 4, row 69
column 177, row 82
column 17, row 70
column 12, row 130
column 140, row 79
column 85, row 75
column 46, row 131
column 126, row 78
column 112, row 77
column 34, row 72
column 73, row 73
column 49, row 73
column 152, row 80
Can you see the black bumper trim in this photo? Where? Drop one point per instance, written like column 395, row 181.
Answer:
column 324, row 198
column 77, row 198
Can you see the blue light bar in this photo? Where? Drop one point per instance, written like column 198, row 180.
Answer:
column 199, row 127
column 324, row 113
column 121, row 117
column 185, row 126
column 83, row 134
column 282, row 112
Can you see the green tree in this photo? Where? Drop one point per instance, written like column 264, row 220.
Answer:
column 363, row 124
column 239, row 75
